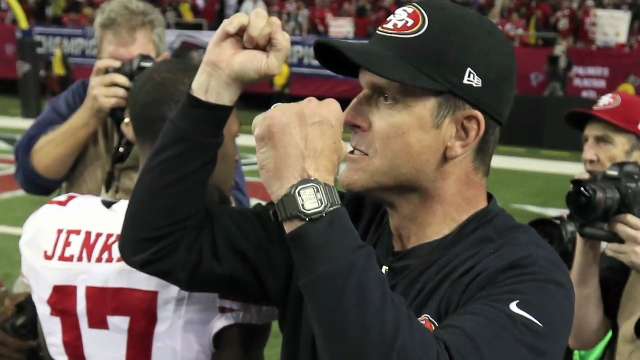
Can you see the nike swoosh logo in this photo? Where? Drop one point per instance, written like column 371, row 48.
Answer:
column 514, row 307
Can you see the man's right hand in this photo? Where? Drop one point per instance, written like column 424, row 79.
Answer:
column 245, row 49
column 627, row 226
column 106, row 90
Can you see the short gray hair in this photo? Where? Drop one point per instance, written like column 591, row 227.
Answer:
column 449, row 105
column 130, row 15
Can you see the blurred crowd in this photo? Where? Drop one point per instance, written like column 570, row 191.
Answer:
column 301, row 17
column 573, row 22
column 526, row 22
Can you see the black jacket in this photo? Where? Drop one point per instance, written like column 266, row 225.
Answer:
column 490, row 290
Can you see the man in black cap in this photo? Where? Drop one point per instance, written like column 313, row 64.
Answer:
column 416, row 260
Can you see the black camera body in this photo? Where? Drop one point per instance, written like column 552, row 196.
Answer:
column 560, row 233
column 131, row 69
column 23, row 324
column 593, row 202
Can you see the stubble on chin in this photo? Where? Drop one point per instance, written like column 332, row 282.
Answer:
column 352, row 182
column 344, row 180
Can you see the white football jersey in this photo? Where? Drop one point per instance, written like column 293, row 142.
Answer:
column 91, row 305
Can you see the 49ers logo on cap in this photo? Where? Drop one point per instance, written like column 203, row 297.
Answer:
column 407, row 21
column 428, row 322
column 608, row 101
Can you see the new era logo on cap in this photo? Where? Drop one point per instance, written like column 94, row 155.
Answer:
column 407, row 21
column 471, row 78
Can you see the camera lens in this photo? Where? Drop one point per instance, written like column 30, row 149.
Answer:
column 589, row 202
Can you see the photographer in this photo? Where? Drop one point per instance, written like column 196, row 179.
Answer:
column 70, row 259
column 72, row 141
column 603, row 285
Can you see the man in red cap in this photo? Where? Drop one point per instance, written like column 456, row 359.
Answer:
column 610, row 134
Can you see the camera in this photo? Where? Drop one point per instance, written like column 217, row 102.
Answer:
column 23, row 324
column 560, row 233
column 131, row 69
column 593, row 202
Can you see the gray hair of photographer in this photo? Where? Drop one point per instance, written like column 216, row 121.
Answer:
column 125, row 16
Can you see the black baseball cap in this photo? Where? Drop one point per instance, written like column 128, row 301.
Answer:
column 434, row 45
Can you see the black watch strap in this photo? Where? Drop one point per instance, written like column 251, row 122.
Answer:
column 287, row 207
column 307, row 200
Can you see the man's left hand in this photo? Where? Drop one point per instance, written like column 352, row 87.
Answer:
column 627, row 227
column 297, row 141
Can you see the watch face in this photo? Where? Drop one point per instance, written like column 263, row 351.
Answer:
column 310, row 198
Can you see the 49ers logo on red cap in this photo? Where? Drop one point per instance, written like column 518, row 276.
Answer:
column 608, row 101
column 407, row 21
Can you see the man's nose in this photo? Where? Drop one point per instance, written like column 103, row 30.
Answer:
column 355, row 118
column 588, row 153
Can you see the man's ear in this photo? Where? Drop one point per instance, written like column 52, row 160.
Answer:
column 467, row 129
column 127, row 130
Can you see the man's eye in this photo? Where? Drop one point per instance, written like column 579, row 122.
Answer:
column 387, row 99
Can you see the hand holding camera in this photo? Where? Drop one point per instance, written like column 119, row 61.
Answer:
column 130, row 69
column 109, row 86
column 593, row 203
column 604, row 207
column 107, row 89
column 627, row 227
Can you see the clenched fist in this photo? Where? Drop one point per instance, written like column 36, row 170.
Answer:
column 245, row 49
column 298, row 141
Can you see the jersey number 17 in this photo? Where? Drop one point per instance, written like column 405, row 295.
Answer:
column 139, row 305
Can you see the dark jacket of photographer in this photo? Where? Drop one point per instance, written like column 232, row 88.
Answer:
column 341, row 290
column 89, row 172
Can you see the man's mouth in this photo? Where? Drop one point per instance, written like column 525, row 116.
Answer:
column 355, row 151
